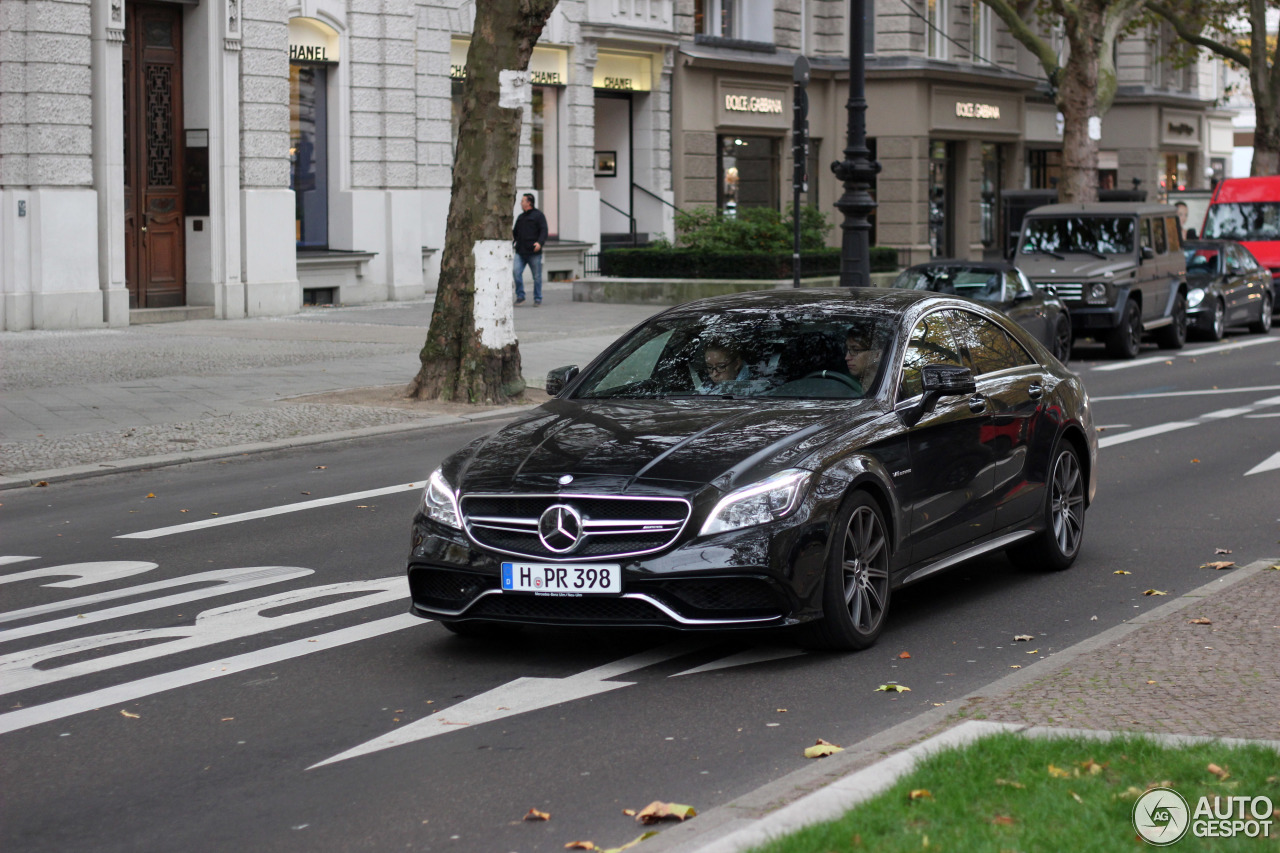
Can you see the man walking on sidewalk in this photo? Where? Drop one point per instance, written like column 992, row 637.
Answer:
column 530, row 234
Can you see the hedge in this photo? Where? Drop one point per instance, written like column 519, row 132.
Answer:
column 697, row 264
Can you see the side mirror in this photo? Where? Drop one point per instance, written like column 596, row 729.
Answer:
column 560, row 377
column 945, row 381
column 1148, row 253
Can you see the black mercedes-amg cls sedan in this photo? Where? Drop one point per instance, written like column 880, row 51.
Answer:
column 773, row 459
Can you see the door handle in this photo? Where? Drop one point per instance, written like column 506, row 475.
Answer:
column 1035, row 390
column 977, row 404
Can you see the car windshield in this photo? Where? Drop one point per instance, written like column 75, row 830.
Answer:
column 1243, row 221
column 1081, row 234
column 1202, row 260
column 982, row 283
column 746, row 353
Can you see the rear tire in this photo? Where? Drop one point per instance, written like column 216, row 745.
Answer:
column 1262, row 326
column 1055, row 548
column 855, row 588
column 1062, row 339
column 1174, row 335
column 1124, row 340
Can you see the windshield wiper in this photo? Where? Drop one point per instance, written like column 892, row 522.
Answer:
column 1047, row 252
column 1102, row 256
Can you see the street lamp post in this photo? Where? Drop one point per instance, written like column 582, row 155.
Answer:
column 857, row 170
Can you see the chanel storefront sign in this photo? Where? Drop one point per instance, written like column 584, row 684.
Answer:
column 312, row 41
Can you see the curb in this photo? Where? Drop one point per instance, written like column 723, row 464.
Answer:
column 81, row 472
column 815, row 794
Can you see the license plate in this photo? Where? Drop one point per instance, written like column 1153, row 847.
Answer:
column 570, row 580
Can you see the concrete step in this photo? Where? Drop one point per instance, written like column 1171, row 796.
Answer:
column 143, row 316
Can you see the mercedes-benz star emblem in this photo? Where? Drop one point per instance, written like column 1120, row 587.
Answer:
column 560, row 528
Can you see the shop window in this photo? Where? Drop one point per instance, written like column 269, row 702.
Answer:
column 748, row 20
column 1044, row 169
column 309, row 153
column 989, row 208
column 748, row 168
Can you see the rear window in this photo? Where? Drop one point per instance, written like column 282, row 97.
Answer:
column 1246, row 221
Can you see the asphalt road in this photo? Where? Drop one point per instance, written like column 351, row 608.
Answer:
column 293, row 707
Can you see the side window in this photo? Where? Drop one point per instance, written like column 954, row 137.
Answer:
column 636, row 367
column 990, row 347
column 1157, row 227
column 1171, row 226
column 931, row 343
column 1012, row 286
column 1144, row 233
column 1247, row 259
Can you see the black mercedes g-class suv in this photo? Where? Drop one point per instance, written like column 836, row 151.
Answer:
column 1117, row 266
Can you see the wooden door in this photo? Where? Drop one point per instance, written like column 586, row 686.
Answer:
column 155, row 256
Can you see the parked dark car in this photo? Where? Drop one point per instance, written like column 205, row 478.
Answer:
column 1002, row 286
column 763, row 460
column 1226, row 286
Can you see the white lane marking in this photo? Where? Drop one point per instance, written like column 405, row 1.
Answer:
column 1208, row 391
column 18, row 671
column 130, row 691
column 1271, row 463
column 269, row 511
column 1158, row 429
column 82, row 574
column 1265, row 415
column 750, row 656
column 4, row 561
column 225, row 581
column 1139, row 362
column 516, row 697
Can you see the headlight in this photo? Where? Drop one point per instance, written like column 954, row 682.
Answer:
column 1098, row 292
column 768, row 500
column 1195, row 297
column 438, row 501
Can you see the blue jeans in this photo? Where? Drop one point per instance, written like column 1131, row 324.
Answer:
column 534, row 262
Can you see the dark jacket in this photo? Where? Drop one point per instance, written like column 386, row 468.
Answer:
column 530, row 228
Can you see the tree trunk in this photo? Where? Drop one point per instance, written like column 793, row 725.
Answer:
column 1266, row 112
column 1078, row 101
column 471, row 353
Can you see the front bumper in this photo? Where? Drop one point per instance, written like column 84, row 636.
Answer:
column 767, row 576
column 1091, row 319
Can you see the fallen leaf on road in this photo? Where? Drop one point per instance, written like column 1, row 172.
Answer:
column 42, row 483
column 1218, row 771
column 305, row 493
column 580, row 845
column 629, row 812
column 130, row 715
column 534, row 814
column 1274, row 568
column 151, row 494
column 1219, row 565
column 1015, row 666
column 1034, row 652
column 904, row 655
column 658, row 810
column 1022, row 638
column 227, row 719
column 1121, row 572
column 1195, row 461
column 1200, row 620
column 1154, row 592
column 184, row 510
column 822, row 749
column 919, row 794
column 1149, row 681
column 321, row 467
column 1222, row 550
column 782, row 710
column 893, row 688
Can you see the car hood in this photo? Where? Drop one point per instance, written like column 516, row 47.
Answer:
column 680, row 444
column 1048, row 268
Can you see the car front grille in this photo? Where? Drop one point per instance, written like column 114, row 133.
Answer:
column 1066, row 291
column 611, row 526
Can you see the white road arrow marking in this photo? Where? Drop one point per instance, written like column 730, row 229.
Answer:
column 516, row 697
column 107, row 696
column 4, row 561
column 1270, row 464
column 760, row 655
column 20, row 671
column 82, row 574
column 224, row 580
column 269, row 511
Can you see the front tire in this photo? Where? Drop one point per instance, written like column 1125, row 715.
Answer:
column 1262, row 326
column 855, row 589
column 1124, row 339
column 1218, row 329
column 1174, row 335
column 1062, row 339
column 1055, row 548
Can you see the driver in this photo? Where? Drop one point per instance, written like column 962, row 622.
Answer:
column 861, row 355
column 724, row 364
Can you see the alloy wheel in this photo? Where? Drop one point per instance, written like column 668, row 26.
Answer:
column 1066, row 508
column 866, row 570
column 1219, row 320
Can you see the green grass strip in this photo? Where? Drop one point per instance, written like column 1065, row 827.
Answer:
column 1007, row 792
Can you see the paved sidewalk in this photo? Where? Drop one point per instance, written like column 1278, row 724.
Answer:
column 76, row 403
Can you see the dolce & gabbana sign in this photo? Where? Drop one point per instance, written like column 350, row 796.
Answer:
column 749, row 104
column 752, row 105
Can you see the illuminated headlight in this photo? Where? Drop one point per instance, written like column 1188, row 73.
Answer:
column 1195, row 297
column 759, row 503
column 1098, row 292
column 438, row 502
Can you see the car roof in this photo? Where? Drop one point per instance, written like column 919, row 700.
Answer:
column 947, row 263
column 1103, row 208
column 1257, row 188
column 861, row 300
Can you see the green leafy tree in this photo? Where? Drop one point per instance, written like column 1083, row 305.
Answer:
column 1084, row 85
column 457, row 364
column 1236, row 30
